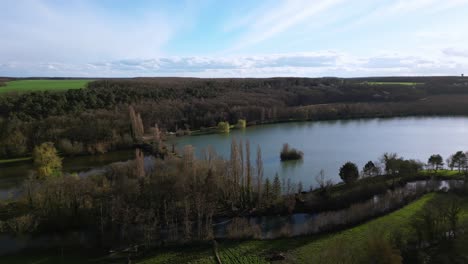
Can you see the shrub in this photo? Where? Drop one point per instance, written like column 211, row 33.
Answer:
column 288, row 153
column 21, row 224
column 223, row 127
column 241, row 123
column 70, row 148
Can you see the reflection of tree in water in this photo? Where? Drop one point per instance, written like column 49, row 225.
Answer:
column 288, row 170
column 291, row 165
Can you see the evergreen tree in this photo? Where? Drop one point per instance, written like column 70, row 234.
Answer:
column 349, row 172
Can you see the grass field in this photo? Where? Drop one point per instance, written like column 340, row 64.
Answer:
column 394, row 83
column 42, row 85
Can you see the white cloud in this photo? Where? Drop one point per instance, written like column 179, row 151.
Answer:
column 456, row 52
column 326, row 63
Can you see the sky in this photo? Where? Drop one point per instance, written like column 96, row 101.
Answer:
column 225, row 38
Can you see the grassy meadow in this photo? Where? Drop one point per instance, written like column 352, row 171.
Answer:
column 42, row 85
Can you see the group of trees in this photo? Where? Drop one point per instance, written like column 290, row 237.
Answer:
column 178, row 199
column 96, row 119
column 391, row 165
column 458, row 161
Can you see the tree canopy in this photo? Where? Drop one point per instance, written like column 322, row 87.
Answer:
column 349, row 172
column 47, row 161
column 435, row 161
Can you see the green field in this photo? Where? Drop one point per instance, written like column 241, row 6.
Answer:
column 42, row 85
column 394, row 83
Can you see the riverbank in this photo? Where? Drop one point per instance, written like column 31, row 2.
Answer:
column 296, row 250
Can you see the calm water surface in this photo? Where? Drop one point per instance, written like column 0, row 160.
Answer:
column 329, row 144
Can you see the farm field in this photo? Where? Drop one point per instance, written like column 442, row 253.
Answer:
column 42, row 85
column 394, row 83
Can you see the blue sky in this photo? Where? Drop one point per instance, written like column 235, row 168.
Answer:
column 214, row 38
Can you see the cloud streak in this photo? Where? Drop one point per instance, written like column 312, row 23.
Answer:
column 266, row 23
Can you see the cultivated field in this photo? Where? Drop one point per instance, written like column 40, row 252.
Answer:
column 42, row 85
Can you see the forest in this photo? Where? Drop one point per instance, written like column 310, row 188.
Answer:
column 96, row 119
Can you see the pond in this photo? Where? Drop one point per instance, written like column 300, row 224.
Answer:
column 326, row 145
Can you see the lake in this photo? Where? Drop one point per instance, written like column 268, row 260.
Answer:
column 326, row 145
column 329, row 144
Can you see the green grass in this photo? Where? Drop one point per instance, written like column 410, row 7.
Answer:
column 396, row 221
column 42, row 85
column 443, row 173
column 394, row 83
column 47, row 257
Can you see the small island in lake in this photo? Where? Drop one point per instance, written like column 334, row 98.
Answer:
column 288, row 153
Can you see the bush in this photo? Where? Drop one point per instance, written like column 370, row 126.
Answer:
column 241, row 123
column 70, row 148
column 20, row 225
column 290, row 153
column 223, row 127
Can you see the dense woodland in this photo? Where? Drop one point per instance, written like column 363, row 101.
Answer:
column 96, row 119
